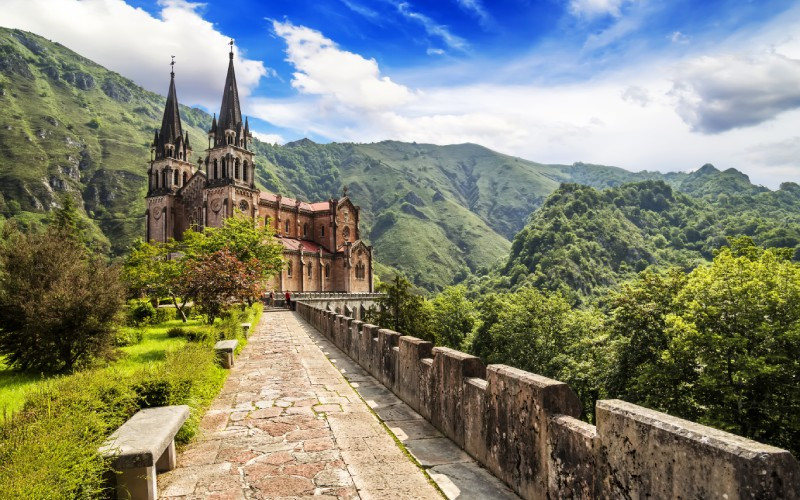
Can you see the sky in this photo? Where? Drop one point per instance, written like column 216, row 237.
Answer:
column 639, row 84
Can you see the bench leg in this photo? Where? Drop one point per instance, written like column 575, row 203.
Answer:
column 136, row 484
column 225, row 358
column 167, row 460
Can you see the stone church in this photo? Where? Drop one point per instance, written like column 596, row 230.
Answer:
column 321, row 242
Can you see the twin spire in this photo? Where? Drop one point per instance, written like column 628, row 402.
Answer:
column 170, row 140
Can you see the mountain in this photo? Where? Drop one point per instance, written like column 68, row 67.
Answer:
column 437, row 213
column 584, row 241
column 71, row 127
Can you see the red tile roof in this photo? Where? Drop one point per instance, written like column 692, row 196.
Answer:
column 308, row 246
column 291, row 202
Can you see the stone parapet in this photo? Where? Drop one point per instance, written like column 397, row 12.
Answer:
column 524, row 428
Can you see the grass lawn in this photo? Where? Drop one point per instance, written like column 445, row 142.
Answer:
column 153, row 348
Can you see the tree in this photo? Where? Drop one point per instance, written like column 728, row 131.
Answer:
column 58, row 302
column 739, row 331
column 156, row 270
column 453, row 318
column 242, row 237
column 402, row 310
column 217, row 280
column 638, row 329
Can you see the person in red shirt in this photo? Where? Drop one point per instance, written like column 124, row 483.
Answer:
column 288, row 297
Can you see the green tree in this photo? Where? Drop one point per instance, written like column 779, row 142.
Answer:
column 241, row 236
column 58, row 302
column 739, row 330
column 156, row 270
column 402, row 310
column 637, row 325
column 453, row 318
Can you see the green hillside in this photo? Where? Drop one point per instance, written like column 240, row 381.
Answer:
column 438, row 213
column 583, row 240
column 69, row 126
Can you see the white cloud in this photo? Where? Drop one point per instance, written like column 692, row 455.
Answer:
column 594, row 8
column 325, row 70
column 719, row 93
column 476, row 8
column 432, row 28
column 678, row 37
column 269, row 138
column 137, row 45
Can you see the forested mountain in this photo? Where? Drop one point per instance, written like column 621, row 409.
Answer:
column 69, row 126
column 583, row 240
column 437, row 213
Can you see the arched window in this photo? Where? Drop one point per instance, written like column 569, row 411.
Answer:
column 327, row 270
column 244, row 171
column 154, row 180
column 243, row 206
column 163, row 178
column 289, row 269
column 185, row 178
column 180, row 155
column 175, row 178
column 322, row 228
column 224, row 168
column 305, row 229
column 236, row 168
column 216, row 169
column 286, row 226
column 310, row 267
column 346, row 233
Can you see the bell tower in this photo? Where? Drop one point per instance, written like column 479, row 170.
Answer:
column 169, row 170
column 230, row 172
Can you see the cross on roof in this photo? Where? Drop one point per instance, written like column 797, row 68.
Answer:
column 172, row 65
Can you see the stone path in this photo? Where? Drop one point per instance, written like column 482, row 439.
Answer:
column 287, row 424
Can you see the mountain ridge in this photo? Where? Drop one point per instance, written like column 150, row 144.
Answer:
column 437, row 213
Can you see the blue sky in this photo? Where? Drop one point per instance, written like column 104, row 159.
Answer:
column 640, row 84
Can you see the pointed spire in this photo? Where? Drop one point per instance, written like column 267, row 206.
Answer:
column 186, row 141
column 171, row 129
column 230, row 114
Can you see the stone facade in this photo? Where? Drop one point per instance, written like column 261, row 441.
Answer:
column 323, row 249
column 524, row 428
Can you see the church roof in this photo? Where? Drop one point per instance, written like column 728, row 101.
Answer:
column 291, row 202
column 320, row 206
column 308, row 246
column 171, row 131
column 230, row 114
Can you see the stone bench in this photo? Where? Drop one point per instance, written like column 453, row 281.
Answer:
column 142, row 446
column 246, row 328
column 225, row 350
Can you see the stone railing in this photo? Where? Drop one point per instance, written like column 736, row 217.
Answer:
column 304, row 296
column 525, row 429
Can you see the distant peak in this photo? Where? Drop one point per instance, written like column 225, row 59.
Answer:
column 302, row 142
column 707, row 169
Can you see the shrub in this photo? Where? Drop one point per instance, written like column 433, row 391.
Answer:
column 58, row 302
column 162, row 315
column 128, row 336
column 140, row 312
column 176, row 332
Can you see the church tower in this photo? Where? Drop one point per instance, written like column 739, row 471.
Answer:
column 230, row 173
column 169, row 170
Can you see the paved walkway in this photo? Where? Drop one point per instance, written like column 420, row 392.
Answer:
column 287, row 424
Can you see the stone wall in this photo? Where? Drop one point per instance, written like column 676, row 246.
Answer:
column 347, row 304
column 524, row 428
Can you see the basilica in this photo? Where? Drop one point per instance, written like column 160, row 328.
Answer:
column 322, row 248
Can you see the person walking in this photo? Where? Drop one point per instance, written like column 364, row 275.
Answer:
column 272, row 298
column 288, row 297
